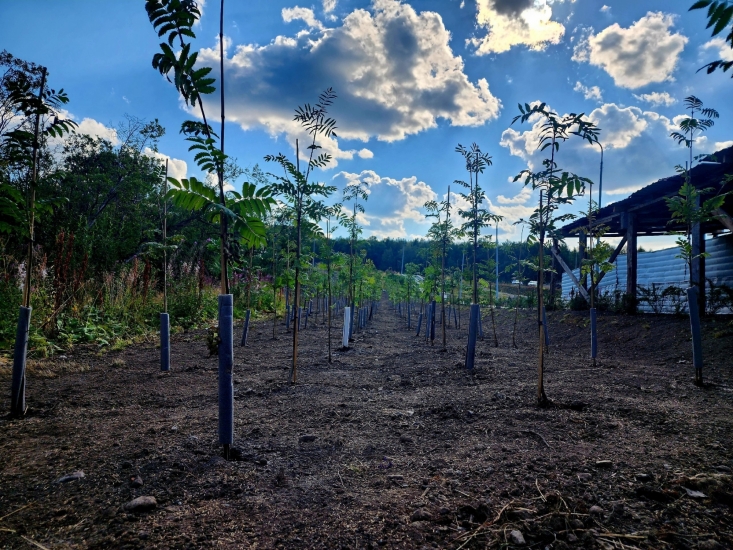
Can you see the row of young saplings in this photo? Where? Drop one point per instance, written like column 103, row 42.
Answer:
column 433, row 315
column 356, row 318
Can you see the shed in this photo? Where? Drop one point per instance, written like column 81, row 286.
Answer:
column 645, row 213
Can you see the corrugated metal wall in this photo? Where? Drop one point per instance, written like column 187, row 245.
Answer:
column 659, row 270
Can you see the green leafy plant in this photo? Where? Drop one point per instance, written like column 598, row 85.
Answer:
column 475, row 218
column 442, row 233
column 174, row 19
column 720, row 15
column 354, row 191
column 688, row 208
column 301, row 194
column 556, row 187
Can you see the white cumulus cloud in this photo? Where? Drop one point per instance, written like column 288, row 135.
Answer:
column 641, row 54
column 392, row 202
column 723, row 49
column 511, row 23
column 177, row 168
column 391, row 67
column 303, row 14
column 97, row 129
column 594, row 92
column 637, row 148
column 657, row 98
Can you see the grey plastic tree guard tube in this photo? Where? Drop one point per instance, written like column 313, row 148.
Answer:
column 20, row 352
column 593, row 338
column 419, row 323
column 473, row 323
column 696, row 333
column 432, row 320
column 165, row 342
column 226, row 367
column 347, row 317
column 351, row 321
column 245, row 330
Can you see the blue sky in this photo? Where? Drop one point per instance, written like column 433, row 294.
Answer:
column 414, row 79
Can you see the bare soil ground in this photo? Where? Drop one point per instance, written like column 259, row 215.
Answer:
column 403, row 447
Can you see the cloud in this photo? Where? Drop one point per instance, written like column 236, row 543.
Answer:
column 620, row 125
column 724, row 51
column 594, row 92
column 91, row 127
column 644, row 53
column 365, row 154
column 392, row 202
column 303, row 14
column 657, row 98
column 722, row 145
column 520, row 198
column 512, row 209
column 605, row 9
column 515, row 23
column 637, row 148
column 392, row 68
column 177, row 168
column 329, row 5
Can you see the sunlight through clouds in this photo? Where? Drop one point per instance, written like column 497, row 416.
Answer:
column 515, row 23
column 391, row 67
column 395, row 206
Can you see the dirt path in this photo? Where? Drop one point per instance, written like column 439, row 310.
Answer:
column 402, row 447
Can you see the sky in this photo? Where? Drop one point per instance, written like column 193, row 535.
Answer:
column 413, row 78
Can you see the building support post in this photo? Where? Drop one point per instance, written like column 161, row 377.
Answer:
column 631, row 260
column 554, row 276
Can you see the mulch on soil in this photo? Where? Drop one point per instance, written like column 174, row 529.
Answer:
column 392, row 445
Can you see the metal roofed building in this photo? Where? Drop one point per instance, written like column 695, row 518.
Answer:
column 645, row 213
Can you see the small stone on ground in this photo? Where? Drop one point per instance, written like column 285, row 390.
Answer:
column 141, row 504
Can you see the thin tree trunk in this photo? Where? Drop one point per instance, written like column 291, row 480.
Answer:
column 274, row 288
column 328, row 267
column 32, row 200
column 296, row 303
column 222, row 197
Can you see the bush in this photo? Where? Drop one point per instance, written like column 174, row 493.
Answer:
column 10, row 298
column 719, row 297
column 189, row 305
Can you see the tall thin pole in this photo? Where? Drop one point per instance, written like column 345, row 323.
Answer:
column 460, row 283
column 165, row 239
column 224, row 252
column 497, row 259
column 32, row 198
column 600, row 179
column 442, row 271
column 475, row 234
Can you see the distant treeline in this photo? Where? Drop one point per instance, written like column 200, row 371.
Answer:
column 387, row 254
